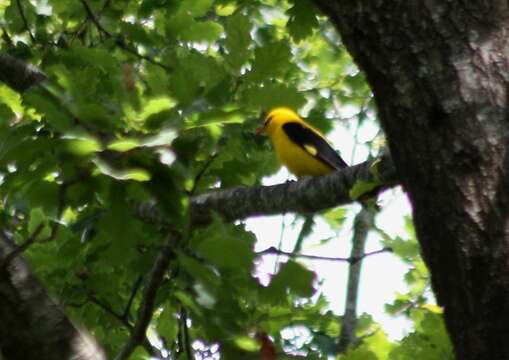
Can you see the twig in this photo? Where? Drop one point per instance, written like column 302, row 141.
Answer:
column 121, row 44
column 149, row 297
column 152, row 350
column 187, row 342
column 127, row 309
column 106, row 307
column 280, row 242
column 24, row 19
column 60, row 209
column 6, row 38
column 273, row 251
column 305, row 230
column 93, row 18
column 119, row 40
column 202, row 171
column 22, row 247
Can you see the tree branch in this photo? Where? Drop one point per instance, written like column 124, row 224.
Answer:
column 22, row 247
column 308, row 195
column 24, row 19
column 152, row 350
column 18, row 74
column 119, row 40
column 354, row 259
column 146, row 309
column 362, row 225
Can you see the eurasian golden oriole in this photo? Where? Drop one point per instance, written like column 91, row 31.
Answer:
column 299, row 146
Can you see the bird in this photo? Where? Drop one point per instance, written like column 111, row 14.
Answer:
column 298, row 145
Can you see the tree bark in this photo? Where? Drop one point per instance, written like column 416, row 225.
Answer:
column 362, row 225
column 439, row 71
column 33, row 326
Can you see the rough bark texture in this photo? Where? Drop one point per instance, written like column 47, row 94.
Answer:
column 33, row 326
column 306, row 196
column 439, row 71
column 18, row 74
column 309, row 195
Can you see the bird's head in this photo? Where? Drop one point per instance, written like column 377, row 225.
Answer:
column 276, row 118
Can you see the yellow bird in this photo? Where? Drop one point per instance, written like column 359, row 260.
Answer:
column 299, row 146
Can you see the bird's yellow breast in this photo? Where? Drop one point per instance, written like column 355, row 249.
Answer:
column 296, row 159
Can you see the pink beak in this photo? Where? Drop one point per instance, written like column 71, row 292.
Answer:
column 260, row 130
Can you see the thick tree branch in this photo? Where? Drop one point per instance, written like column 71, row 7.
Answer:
column 33, row 325
column 308, row 195
column 18, row 74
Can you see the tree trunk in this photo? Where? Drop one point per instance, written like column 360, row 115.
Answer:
column 439, row 71
column 32, row 325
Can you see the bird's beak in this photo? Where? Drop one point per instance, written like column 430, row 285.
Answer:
column 260, row 130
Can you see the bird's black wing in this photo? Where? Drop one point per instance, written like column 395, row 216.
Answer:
column 313, row 144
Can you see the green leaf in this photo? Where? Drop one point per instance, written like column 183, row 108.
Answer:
column 136, row 174
column 292, row 278
column 38, row 218
column 10, row 98
column 155, row 106
column 246, row 343
column 302, row 19
column 45, row 106
column 226, row 246
column 167, row 324
column 123, row 145
column 237, row 41
column 361, row 187
column 6, row 114
column 81, row 144
column 207, row 31
column 195, row 8
column 270, row 61
column 271, row 95
column 336, row 217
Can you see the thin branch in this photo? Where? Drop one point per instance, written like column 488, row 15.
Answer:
column 134, row 291
column 22, row 247
column 93, row 18
column 362, row 225
column 149, row 348
column 273, row 251
column 24, row 19
column 6, row 37
column 280, row 242
column 202, row 171
column 187, row 341
column 305, row 230
column 121, row 44
column 146, row 309
column 119, row 41
column 60, row 209
column 107, row 308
